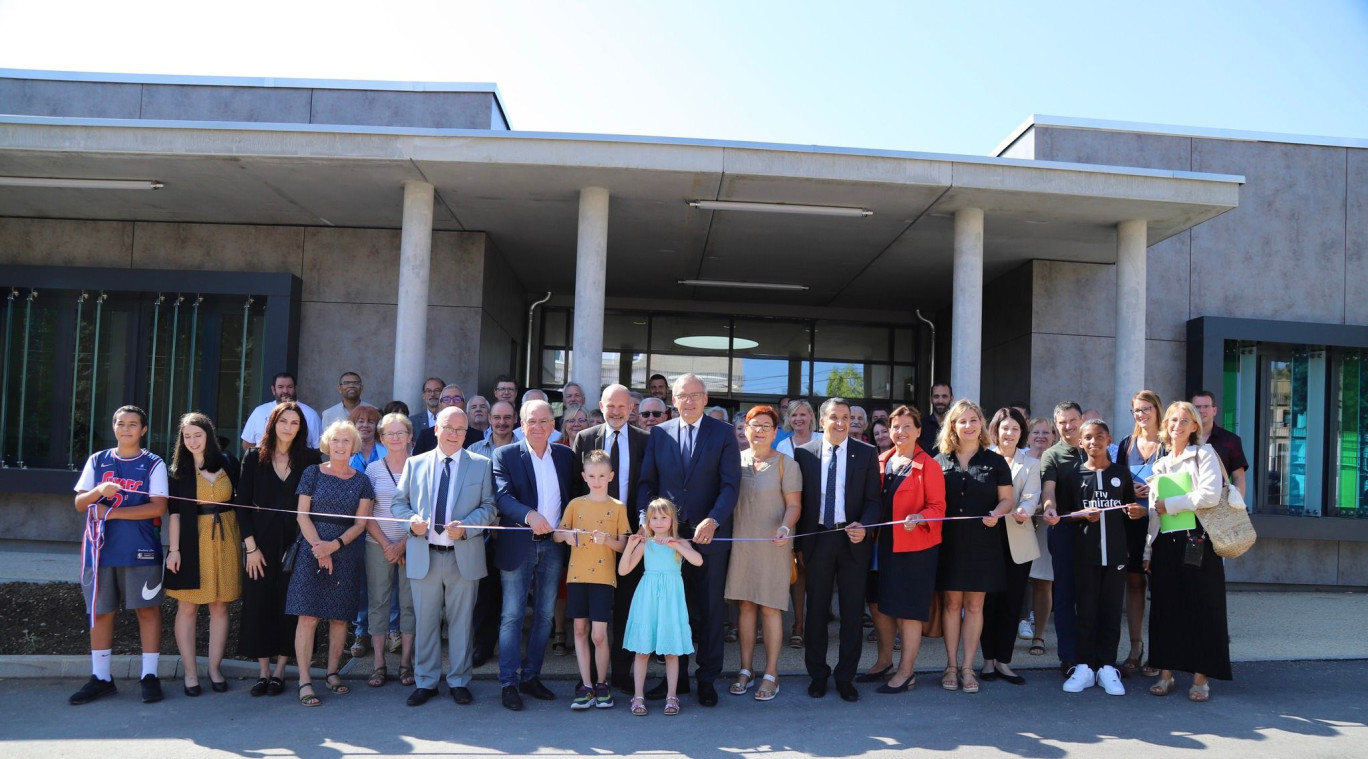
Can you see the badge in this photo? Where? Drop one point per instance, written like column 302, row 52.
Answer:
column 1116, row 482
column 147, row 554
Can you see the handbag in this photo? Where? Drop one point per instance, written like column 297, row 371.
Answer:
column 1227, row 523
column 287, row 559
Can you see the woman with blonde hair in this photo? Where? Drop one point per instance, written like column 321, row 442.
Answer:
column 978, row 483
column 800, row 422
column 1139, row 451
column 328, row 571
column 1188, row 626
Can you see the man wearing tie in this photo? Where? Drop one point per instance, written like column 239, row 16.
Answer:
column 694, row 461
column 626, row 445
column 532, row 487
column 444, row 493
column 841, row 493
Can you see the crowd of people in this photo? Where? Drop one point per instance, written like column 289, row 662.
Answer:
column 654, row 526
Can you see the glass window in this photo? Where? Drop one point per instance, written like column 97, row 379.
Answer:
column 839, row 379
column 1351, row 424
column 624, row 332
column 773, row 337
column 556, row 327
column 857, row 342
column 760, row 376
column 555, row 367
column 904, row 345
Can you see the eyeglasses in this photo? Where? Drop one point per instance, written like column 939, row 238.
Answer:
column 692, row 396
column 651, row 414
column 394, row 435
column 451, row 399
column 351, row 383
column 453, row 430
column 1145, row 410
column 432, row 391
column 759, row 427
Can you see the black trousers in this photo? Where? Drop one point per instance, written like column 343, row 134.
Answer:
column 1099, row 593
column 1002, row 614
column 834, row 563
column 703, row 589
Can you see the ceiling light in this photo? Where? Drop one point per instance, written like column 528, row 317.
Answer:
column 742, row 285
column 715, row 342
column 81, row 184
column 733, row 205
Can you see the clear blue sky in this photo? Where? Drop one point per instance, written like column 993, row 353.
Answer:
column 949, row 76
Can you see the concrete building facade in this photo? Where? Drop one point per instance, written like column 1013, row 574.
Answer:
column 401, row 230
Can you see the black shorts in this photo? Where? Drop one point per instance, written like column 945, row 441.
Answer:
column 589, row 600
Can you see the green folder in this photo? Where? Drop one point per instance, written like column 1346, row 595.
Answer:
column 1168, row 486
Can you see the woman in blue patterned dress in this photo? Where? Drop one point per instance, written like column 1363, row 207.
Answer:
column 334, row 501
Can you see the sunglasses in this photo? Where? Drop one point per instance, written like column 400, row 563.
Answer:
column 652, row 414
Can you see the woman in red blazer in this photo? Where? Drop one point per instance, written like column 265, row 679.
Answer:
column 913, row 491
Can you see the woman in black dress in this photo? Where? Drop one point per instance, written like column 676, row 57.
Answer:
column 978, row 483
column 335, row 502
column 913, row 492
column 270, row 475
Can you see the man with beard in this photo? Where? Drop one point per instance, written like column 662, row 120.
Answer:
column 282, row 389
column 941, row 396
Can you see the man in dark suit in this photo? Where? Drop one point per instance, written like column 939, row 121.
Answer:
column 694, row 461
column 532, row 487
column 425, row 439
column 426, row 418
column 841, row 493
column 626, row 446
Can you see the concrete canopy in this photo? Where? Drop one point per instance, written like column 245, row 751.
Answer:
column 522, row 189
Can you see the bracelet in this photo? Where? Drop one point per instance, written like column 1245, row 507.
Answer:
column 340, row 544
column 173, row 550
column 786, row 529
column 254, row 550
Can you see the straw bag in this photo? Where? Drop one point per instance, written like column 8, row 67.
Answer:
column 1228, row 523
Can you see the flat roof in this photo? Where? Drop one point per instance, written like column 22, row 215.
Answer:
column 1073, row 122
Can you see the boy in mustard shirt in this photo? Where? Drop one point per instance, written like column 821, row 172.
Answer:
column 600, row 524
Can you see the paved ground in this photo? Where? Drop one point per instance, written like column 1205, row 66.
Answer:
column 1271, row 710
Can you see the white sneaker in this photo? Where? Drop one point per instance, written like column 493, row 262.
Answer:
column 1025, row 630
column 1110, row 680
column 1081, row 677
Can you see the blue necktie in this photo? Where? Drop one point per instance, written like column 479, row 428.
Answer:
column 688, row 448
column 829, row 498
column 440, row 512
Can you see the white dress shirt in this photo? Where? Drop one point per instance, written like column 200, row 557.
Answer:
column 255, row 427
column 548, row 485
column 433, row 537
column 841, row 450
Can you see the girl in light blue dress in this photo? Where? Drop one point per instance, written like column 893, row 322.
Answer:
column 658, row 622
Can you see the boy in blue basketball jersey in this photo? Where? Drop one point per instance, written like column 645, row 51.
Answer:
column 123, row 494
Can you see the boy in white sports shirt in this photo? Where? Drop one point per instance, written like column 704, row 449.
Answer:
column 122, row 491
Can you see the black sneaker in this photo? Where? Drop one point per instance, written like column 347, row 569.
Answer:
column 94, row 688
column 151, row 689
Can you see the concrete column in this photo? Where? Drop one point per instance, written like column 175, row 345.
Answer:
column 591, row 276
column 1131, row 241
column 415, row 269
column 966, row 348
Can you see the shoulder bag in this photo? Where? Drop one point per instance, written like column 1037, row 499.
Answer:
column 1228, row 524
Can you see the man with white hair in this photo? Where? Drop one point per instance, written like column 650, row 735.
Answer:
column 651, row 413
column 535, row 394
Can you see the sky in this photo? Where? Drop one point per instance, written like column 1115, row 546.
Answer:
column 954, row 76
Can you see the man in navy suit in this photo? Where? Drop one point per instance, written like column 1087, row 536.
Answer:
column 694, row 462
column 626, row 446
column 841, row 493
column 532, row 487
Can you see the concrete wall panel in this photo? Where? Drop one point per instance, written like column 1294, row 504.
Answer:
column 1074, row 299
column 1072, row 367
column 59, row 242
column 1165, row 370
column 1006, row 373
column 436, row 110
column 351, row 266
column 1356, row 245
column 345, row 337
column 218, row 247
column 1168, row 284
column 459, row 269
column 40, row 516
column 1007, row 306
column 1148, row 151
column 1277, row 255
column 1353, row 564
column 1293, row 562
column 454, row 342
column 175, row 102
column 98, row 100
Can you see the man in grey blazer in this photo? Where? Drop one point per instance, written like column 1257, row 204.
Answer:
column 444, row 493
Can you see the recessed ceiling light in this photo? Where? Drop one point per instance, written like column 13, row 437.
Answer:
column 741, row 285
column 81, row 184
column 714, row 342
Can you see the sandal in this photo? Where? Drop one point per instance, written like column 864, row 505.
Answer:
column 1199, row 693
column 259, row 687
column 338, row 688
column 310, row 698
column 1132, row 663
column 1149, row 670
column 405, row 675
column 740, row 687
column 378, row 677
column 1162, row 688
column 767, row 692
column 275, row 686
column 1037, row 648
column 950, row 680
column 558, row 643
column 671, row 706
column 639, row 706
column 796, row 640
column 971, row 684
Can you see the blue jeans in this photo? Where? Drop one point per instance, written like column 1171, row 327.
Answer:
column 1061, row 541
column 541, row 568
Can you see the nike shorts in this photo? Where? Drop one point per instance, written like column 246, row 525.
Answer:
column 139, row 586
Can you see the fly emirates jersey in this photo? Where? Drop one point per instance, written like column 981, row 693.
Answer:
column 127, row 542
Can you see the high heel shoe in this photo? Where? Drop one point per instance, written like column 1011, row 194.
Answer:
column 874, row 677
column 1132, row 663
column 192, row 691
column 907, row 685
column 219, row 686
